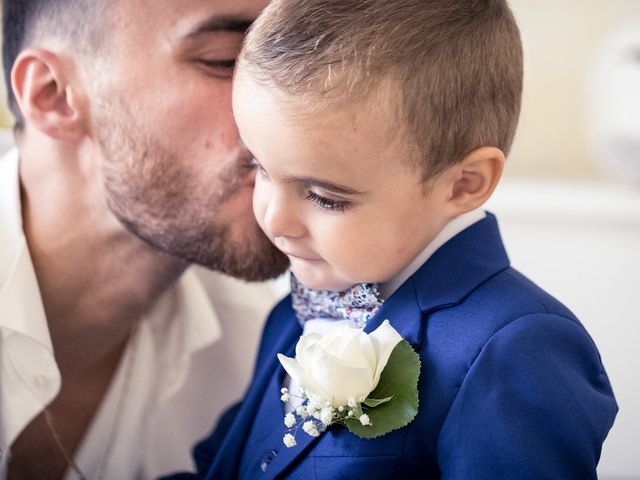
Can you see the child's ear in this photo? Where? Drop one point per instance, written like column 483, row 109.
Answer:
column 475, row 178
column 46, row 96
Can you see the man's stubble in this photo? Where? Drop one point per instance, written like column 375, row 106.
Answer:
column 165, row 203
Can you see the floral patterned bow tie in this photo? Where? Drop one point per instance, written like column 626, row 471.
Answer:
column 358, row 304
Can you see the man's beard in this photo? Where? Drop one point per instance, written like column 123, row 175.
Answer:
column 167, row 205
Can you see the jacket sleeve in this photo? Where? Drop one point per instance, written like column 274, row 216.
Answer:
column 535, row 403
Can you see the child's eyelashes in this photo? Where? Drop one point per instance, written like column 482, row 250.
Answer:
column 261, row 171
column 327, row 204
column 254, row 165
column 319, row 201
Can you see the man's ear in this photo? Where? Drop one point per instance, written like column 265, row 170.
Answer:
column 475, row 178
column 47, row 96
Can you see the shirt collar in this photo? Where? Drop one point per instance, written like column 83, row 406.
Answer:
column 20, row 312
column 449, row 231
column 30, row 378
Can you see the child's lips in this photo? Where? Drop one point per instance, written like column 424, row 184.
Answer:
column 300, row 257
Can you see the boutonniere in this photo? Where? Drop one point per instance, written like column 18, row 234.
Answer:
column 365, row 382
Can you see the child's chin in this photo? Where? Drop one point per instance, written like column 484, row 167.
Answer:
column 320, row 282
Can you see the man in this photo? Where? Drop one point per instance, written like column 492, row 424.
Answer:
column 128, row 168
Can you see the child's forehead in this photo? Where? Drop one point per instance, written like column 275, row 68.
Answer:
column 372, row 116
column 322, row 131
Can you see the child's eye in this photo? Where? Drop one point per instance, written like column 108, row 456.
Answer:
column 328, row 204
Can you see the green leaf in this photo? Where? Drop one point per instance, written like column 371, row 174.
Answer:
column 374, row 402
column 399, row 382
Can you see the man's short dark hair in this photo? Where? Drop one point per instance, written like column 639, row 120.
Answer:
column 22, row 20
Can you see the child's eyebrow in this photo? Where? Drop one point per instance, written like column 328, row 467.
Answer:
column 311, row 181
column 316, row 182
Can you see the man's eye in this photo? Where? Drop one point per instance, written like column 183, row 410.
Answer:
column 328, row 204
column 221, row 67
column 250, row 163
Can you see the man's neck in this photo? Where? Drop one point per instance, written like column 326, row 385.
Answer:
column 96, row 279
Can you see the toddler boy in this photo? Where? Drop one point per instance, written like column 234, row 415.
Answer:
column 379, row 128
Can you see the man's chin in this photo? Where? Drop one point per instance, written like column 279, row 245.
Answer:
column 252, row 259
column 256, row 262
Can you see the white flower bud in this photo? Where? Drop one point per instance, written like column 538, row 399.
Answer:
column 284, row 397
column 302, row 412
column 289, row 440
column 326, row 415
column 284, row 390
column 315, row 403
column 289, row 420
column 365, row 420
column 311, row 428
column 351, row 402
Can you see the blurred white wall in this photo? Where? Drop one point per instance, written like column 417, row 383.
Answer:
column 580, row 242
column 566, row 223
column 561, row 38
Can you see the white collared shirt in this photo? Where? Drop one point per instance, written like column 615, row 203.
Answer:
column 450, row 230
column 183, row 372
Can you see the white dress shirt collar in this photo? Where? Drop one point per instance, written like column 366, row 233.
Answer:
column 449, row 231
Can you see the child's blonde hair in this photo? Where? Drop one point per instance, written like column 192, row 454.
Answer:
column 454, row 67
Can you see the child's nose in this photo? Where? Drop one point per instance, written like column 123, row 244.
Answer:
column 283, row 218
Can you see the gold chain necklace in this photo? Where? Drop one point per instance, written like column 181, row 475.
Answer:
column 113, row 432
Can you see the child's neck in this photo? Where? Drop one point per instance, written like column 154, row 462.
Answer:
column 450, row 230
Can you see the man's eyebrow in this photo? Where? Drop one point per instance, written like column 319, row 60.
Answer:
column 220, row 23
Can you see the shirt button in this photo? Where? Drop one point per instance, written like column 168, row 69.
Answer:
column 266, row 459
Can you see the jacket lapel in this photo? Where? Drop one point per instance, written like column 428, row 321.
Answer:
column 270, row 457
column 227, row 460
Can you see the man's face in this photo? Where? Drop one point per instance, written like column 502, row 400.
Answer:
column 174, row 171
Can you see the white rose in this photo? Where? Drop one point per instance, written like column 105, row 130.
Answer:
column 344, row 364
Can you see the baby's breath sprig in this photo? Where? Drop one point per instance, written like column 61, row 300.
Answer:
column 315, row 414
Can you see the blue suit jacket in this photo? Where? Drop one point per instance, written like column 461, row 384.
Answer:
column 511, row 385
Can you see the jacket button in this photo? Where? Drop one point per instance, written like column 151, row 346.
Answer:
column 266, row 459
